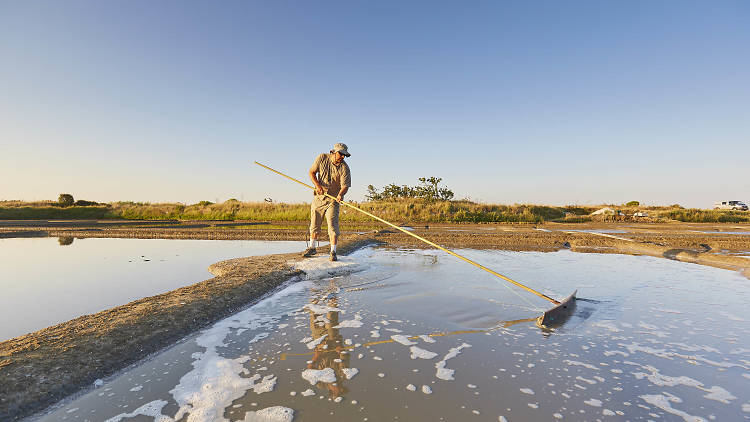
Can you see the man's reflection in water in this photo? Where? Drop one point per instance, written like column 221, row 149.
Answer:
column 330, row 353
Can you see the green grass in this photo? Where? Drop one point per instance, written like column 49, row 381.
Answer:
column 693, row 215
column 405, row 211
column 55, row 213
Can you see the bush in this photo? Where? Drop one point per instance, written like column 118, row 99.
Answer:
column 204, row 203
column 428, row 190
column 65, row 200
column 82, row 203
column 632, row 204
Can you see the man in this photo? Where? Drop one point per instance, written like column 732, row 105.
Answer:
column 331, row 175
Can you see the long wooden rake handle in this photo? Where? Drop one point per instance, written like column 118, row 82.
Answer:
column 528, row 289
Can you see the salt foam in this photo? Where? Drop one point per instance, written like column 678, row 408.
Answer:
column 270, row 414
column 350, row 323
column 417, row 352
column 400, row 338
column 663, row 403
column 152, row 409
column 317, row 268
column 444, row 373
column 314, row 376
column 215, row 382
column 350, row 372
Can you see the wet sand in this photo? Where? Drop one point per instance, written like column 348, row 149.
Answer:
column 41, row 368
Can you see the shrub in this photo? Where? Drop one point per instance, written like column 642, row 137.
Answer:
column 65, row 200
column 82, row 203
column 632, row 204
column 204, row 203
column 428, row 190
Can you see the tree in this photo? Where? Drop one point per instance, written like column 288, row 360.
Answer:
column 65, row 200
column 431, row 192
column 428, row 190
column 373, row 194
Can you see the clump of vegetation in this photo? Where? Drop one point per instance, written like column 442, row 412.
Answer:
column 65, row 200
column 632, row 204
column 694, row 215
column 84, row 203
column 417, row 209
column 575, row 210
column 429, row 190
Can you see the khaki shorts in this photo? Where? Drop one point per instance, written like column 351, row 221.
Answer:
column 323, row 207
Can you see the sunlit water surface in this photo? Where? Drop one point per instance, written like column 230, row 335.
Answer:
column 45, row 281
column 419, row 335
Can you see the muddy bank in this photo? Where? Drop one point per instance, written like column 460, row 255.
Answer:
column 41, row 368
column 549, row 236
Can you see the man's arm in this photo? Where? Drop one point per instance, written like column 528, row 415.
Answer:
column 341, row 194
column 346, row 181
column 316, row 182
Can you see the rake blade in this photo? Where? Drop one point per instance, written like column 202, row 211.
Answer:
column 560, row 313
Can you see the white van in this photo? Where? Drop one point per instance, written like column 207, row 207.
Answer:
column 730, row 205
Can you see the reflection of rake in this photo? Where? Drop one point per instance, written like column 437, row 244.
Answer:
column 502, row 324
column 557, row 315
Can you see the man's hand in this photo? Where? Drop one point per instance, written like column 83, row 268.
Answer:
column 340, row 197
column 318, row 190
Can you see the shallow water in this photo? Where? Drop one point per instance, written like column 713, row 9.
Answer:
column 651, row 339
column 46, row 281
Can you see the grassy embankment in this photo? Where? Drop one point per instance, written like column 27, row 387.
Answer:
column 402, row 211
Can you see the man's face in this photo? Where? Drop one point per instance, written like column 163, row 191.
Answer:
column 338, row 157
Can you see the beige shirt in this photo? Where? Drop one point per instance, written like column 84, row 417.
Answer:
column 331, row 176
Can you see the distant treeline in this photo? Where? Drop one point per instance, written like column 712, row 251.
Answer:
column 398, row 211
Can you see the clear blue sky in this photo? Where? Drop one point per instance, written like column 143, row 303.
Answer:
column 549, row 102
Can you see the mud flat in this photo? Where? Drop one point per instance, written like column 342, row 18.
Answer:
column 41, row 368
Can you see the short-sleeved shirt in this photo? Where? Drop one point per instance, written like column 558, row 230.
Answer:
column 331, row 176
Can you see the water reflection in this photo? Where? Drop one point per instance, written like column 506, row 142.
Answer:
column 94, row 274
column 329, row 351
column 65, row 240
